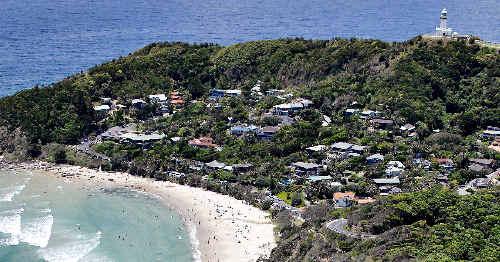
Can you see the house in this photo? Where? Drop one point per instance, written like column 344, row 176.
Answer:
column 242, row 168
column 491, row 132
column 176, row 99
column 483, row 182
column 243, row 129
column 215, row 165
column 364, row 201
column 102, row 110
column 326, row 121
column 376, row 158
column 358, row 149
column 267, row 132
column 274, row 92
column 367, row 114
column 342, row 150
column 106, row 100
column 386, row 181
column 422, row 163
column 314, row 179
column 344, row 199
column 442, row 178
column 445, row 163
column 175, row 174
column 163, row 109
column 382, row 123
column 138, row 103
column 306, row 169
column 286, row 120
column 288, row 109
column 481, row 164
column 129, row 135
column 495, row 145
column 396, row 164
column 408, row 130
column 306, row 102
column 120, row 107
column 158, row 98
column 318, row 148
column 494, row 176
column 203, row 142
column 341, row 147
column 393, row 171
column 176, row 139
column 256, row 89
column 351, row 111
column 220, row 93
column 141, row 139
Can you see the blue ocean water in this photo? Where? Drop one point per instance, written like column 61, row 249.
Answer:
column 42, row 41
column 43, row 218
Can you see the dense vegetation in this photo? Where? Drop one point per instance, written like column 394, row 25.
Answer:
column 450, row 86
column 433, row 225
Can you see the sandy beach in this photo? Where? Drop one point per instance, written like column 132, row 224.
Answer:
column 222, row 228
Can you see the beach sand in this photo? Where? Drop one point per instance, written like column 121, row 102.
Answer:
column 222, row 228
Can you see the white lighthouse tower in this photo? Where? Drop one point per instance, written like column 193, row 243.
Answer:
column 443, row 29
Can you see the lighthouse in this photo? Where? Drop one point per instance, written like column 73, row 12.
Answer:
column 443, row 29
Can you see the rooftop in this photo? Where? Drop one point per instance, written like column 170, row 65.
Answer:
column 394, row 180
column 305, row 165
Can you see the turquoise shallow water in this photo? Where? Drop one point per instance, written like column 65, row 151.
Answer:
column 44, row 218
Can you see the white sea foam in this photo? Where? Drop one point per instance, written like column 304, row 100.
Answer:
column 37, row 232
column 10, row 223
column 7, row 194
column 195, row 243
column 73, row 250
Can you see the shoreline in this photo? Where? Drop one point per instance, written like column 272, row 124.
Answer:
column 221, row 228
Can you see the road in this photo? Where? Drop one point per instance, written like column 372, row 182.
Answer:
column 86, row 148
column 339, row 226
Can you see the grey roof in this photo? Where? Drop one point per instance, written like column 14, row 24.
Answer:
column 138, row 101
column 215, row 164
column 318, row 178
column 407, row 127
column 382, row 121
column 394, row 180
column 342, row 146
column 476, row 167
column 305, row 165
column 142, row 137
column 101, row 108
column 482, row 161
column 358, row 148
column 395, row 190
column 375, row 157
column 481, row 182
column 317, row 148
column 246, row 165
column 270, row 129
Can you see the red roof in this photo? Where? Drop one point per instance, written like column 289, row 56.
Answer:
column 177, row 102
column 443, row 161
column 202, row 142
column 340, row 195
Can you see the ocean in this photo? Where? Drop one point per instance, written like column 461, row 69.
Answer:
column 44, row 218
column 42, row 41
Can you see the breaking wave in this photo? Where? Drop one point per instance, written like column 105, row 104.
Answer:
column 37, row 232
column 73, row 250
column 195, row 242
column 10, row 223
column 8, row 193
